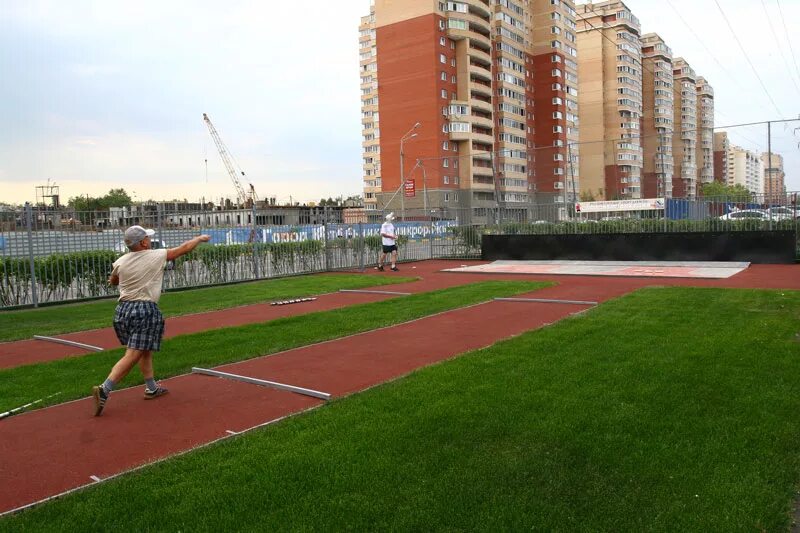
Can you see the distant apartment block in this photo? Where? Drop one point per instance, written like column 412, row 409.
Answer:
column 658, row 111
column 464, row 71
column 721, row 147
column 684, row 140
column 774, row 175
column 610, row 100
column 745, row 168
column 704, row 154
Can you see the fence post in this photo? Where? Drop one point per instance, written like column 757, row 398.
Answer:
column 29, row 224
column 325, row 236
column 254, row 233
column 362, row 244
column 430, row 235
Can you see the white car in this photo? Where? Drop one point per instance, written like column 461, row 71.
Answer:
column 780, row 212
column 746, row 214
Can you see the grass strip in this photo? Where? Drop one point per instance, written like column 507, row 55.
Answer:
column 666, row 410
column 51, row 320
column 74, row 377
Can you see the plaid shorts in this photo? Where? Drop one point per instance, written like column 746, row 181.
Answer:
column 139, row 325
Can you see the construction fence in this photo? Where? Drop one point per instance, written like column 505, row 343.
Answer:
column 49, row 256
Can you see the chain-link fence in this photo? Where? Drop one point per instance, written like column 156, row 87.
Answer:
column 55, row 255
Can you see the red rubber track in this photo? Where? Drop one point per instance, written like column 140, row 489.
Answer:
column 49, row 451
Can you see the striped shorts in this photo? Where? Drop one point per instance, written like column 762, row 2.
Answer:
column 139, row 325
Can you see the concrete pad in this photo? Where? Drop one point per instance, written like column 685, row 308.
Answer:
column 656, row 269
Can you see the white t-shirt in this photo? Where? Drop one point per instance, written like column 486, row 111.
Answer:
column 140, row 275
column 387, row 228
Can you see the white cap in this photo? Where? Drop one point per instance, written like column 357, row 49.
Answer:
column 136, row 234
column 390, row 216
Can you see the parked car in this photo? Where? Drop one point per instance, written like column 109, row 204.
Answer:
column 746, row 214
column 780, row 212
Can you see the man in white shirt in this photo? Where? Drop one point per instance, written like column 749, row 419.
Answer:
column 389, row 242
column 138, row 322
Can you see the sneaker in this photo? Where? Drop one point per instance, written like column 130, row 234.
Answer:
column 150, row 394
column 395, row 269
column 100, row 397
column 379, row 268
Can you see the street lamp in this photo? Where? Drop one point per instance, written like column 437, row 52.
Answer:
column 410, row 134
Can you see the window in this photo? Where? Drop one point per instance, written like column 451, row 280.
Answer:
column 442, row 41
column 444, row 94
column 447, row 180
column 556, row 73
column 442, row 58
column 443, row 75
column 445, row 163
column 555, row 58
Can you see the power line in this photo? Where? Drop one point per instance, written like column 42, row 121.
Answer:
column 780, row 48
column 786, row 31
column 703, row 44
column 736, row 37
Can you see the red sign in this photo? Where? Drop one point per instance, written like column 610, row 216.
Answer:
column 410, row 189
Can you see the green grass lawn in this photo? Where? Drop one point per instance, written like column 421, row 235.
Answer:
column 73, row 377
column 666, row 410
column 51, row 320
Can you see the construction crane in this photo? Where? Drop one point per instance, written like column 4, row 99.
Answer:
column 243, row 197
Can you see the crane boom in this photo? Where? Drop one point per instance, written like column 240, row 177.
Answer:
column 242, row 196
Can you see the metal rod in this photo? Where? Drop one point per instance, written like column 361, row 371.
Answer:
column 69, row 343
column 22, row 407
column 544, row 301
column 262, row 382
column 366, row 291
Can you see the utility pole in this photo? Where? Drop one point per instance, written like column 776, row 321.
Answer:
column 769, row 171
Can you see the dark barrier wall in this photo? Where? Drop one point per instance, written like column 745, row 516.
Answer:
column 772, row 247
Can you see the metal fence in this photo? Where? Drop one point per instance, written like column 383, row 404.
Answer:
column 55, row 255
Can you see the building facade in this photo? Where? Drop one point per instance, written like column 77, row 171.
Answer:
column 610, row 101
column 684, row 139
column 657, row 100
column 774, row 176
column 721, row 147
column 704, row 154
column 745, row 168
column 449, row 90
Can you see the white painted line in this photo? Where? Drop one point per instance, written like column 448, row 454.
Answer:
column 68, row 343
column 544, row 301
column 95, row 479
column 364, row 291
column 231, row 432
column 263, row 383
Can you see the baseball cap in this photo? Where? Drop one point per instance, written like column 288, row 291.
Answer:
column 390, row 216
column 136, row 234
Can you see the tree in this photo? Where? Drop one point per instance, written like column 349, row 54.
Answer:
column 114, row 198
column 736, row 193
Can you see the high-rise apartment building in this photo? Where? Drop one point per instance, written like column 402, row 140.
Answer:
column 721, row 147
column 684, row 138
column 705, row 132
column 554, row 64
column 464, row 71
column 657, row 100
column 609, row 100
column 774, row 176
column 745, row 168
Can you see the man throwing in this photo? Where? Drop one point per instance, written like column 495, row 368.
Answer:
column 137, row 320
column 389, row 241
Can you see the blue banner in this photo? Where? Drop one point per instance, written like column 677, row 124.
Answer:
column 414, row 231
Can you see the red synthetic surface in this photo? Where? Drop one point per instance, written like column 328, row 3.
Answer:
column 52, row 450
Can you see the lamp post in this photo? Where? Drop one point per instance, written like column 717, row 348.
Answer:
column 410, row 134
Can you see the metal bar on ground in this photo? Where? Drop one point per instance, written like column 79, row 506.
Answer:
column 262, row 382
column 364, row 291
column 545, row 301
column 68, row 343
column 23, row 407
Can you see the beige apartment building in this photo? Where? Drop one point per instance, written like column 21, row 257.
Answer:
column 774, row 176
column 610, row 101
column 684, row 138
column 448, row 96
column 658, row 112
column 745, row 168
column 704, row 154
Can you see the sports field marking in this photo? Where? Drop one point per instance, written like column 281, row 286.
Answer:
column 544, row 301
column 95, row 479
column 365, row 291
column 68, row 343
column 262, row 382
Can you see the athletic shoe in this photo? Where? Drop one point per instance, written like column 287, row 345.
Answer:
column 379, row 268
column 150, row 394
column 395, row 269
column 100, row 397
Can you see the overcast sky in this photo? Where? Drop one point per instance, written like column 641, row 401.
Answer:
column 95, row 95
